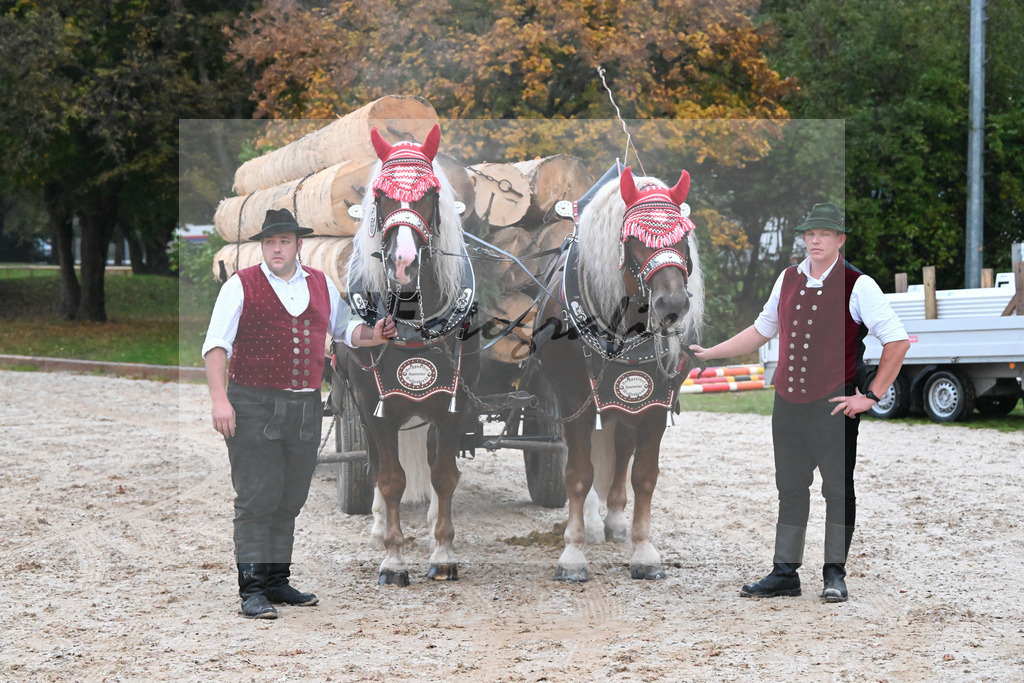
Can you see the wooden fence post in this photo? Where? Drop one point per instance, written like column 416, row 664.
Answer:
column 987, row 278
column 931, row 307
column 901, row 283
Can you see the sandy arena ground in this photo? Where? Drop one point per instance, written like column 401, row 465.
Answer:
column 116, row 564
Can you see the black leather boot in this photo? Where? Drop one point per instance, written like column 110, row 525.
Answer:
column 251, row 584
column 833, row 572
column 279, row 591
column 783, row 579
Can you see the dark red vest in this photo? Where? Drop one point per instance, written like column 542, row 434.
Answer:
column 821, row 346
column 274, row 349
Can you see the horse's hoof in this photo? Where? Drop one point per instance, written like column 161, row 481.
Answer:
column 578, row 575
column 394, row 578
column 615, row 535
column 646, row 572
column 443, row 572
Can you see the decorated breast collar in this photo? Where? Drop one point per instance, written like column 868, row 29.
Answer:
column 639, row 348
column 372, row 306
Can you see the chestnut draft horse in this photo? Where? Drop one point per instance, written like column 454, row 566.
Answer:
column 406, row 262
column 633, row 299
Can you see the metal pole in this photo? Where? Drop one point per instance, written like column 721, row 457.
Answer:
column 975, row 149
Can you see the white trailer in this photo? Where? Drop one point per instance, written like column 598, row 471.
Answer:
column 969, row 357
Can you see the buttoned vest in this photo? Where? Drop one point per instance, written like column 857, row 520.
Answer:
column 274, row 349
column 821, row 346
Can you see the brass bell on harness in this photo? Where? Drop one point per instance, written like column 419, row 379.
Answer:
column 379, row 410
column 451, row 406
column 597, row 421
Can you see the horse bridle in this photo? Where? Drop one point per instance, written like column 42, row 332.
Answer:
column 668, row 257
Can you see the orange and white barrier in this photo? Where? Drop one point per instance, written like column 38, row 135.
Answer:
column 727, row 371
column 721, row 386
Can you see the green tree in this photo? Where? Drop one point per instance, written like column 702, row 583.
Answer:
column 897, row 73
column 93, row 93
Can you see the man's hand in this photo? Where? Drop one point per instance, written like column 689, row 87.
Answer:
column 851, row 406
column 700, row 352
column 384, row 330
column 224, row 417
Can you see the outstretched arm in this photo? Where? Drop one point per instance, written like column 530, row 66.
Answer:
column 747, row 341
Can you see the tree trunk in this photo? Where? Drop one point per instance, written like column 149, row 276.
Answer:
column 97, row 225
column 135, row 253
column 62, row 230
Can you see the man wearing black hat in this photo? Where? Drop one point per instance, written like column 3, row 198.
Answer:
column 821, row 309
column 271, row 320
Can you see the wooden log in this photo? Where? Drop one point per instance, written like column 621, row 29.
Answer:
column 502, row 193
column 333, row 256
column 901, row 283
column 515, row 347
column 396, row 118
column 550, row 236
column 552, row 179
column 320, row 202
column 507, row 275
column 458, row 176
column 931, row 306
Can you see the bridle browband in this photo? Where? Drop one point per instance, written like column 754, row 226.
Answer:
column 668, row 257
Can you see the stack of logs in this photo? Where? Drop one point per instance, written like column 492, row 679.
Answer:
column 320, row 176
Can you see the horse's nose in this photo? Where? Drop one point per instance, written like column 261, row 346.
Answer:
column 670, row 307
column 405, row 269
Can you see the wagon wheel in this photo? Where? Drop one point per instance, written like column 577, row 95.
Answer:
column 355, row 483
column 545, row 471
column 948, row 396
column 996, row 406
column 894, row 403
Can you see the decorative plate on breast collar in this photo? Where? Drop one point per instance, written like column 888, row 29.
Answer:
column 634, row 386
column 417, row 374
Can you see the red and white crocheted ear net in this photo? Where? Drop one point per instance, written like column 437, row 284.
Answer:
column 407, row 171
column 652, row 211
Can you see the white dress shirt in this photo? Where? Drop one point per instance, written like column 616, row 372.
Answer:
column 868, row 306
column 294, row 296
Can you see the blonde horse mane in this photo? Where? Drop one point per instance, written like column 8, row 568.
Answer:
column 448, row 270
column 600, row 278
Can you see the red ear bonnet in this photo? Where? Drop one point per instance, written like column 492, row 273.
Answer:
column 652, row 211
column 407, row 170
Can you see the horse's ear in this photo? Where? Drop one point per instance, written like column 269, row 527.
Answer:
column 682, row 188
column 380, row 145
column 432, row 142
column 627, row 186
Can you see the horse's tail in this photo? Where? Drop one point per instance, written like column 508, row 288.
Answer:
column 412, row 454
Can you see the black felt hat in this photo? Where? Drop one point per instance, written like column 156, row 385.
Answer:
column 278, row 221
column 824, row 216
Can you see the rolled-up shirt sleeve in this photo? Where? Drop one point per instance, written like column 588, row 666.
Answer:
column 869, row 306
column 224, row 319
column 343, row 323
column 767, row 323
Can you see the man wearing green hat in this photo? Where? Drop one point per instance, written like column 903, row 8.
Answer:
column 821, row 309
column 272, row 321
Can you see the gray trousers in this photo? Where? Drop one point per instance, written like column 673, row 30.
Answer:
column 273, row 456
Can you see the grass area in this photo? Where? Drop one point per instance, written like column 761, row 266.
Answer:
column 757, row 401
column 760, row 402
column 142, row 327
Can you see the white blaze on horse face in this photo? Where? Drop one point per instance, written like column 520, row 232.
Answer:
column 405, row 253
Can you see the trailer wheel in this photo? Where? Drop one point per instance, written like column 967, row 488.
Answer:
column 355, row 483
column 995, row 406
column 948, row 397
column 545, row 472
column 894, row 403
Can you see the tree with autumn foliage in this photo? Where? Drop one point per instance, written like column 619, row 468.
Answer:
column 700, row 64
